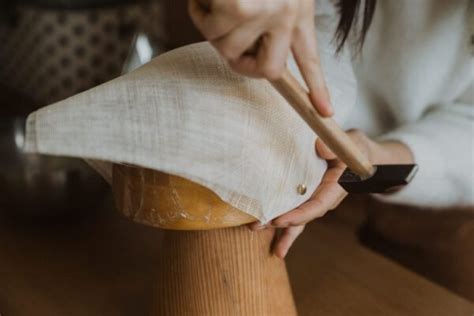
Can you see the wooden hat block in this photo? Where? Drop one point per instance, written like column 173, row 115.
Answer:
column 210, row 263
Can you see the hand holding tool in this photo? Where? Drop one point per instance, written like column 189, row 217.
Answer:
column 360, row 176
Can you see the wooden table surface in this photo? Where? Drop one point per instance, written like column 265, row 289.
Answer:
column 333, row 274
column 100, row 264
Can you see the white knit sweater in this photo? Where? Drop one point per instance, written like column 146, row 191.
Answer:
column 415, row 76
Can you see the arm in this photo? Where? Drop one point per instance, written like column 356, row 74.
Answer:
column 442, row 143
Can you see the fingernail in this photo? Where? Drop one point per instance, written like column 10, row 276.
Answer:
column 328, row 108
column 260, row 227
column 330, row 111
column 282, row 254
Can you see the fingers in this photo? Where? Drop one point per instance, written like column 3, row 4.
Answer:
column 271, row 56
column 256, row 226
column 234, row 44
column 286, row 239
column 233, row 26
column 329, row 193
column 306, row 54
column 274, row 53
column 216, row 18
column 323, row 150
column 364, row 143
column 327, row 197
column 283, row 241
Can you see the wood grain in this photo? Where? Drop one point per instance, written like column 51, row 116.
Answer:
column 163, row 200
column 221, row 272
column 326, row 128
column 102, row 264
column 208, row 272
column 346, row 278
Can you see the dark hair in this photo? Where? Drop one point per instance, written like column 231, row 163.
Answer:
column 349, row 15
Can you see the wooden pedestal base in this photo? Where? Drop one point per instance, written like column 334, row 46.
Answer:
column 221, row 272
column 210, row 264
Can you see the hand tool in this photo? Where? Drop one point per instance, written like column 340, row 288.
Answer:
column 360, row 175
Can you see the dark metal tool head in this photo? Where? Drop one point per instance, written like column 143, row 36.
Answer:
column 386, row 178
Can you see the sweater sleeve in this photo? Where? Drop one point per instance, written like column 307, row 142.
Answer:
column 442, row 143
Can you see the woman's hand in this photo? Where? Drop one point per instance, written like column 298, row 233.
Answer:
column 329, row 194
column 277, row 26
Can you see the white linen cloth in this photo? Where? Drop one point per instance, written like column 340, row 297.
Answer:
column 188, row 114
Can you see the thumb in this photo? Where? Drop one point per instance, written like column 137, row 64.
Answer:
column 305, row 51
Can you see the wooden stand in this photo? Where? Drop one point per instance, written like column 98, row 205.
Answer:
column 204, row 270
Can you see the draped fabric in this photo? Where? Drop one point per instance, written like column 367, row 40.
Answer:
column 188, row 114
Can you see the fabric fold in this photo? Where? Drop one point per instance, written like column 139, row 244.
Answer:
column 188, row 114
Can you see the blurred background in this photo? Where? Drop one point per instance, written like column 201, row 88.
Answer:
column 52, row 49
column 59, row 234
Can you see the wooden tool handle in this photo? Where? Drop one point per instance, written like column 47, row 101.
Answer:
column 326, row 128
